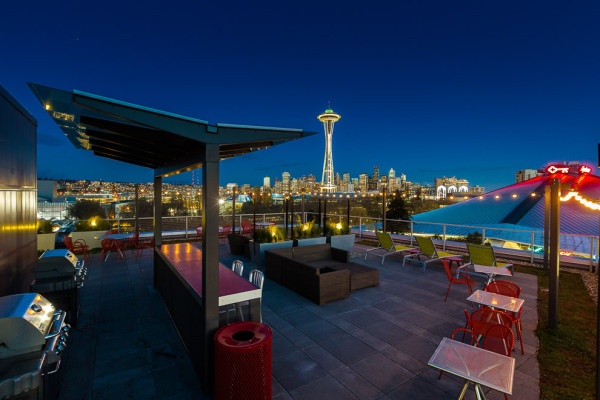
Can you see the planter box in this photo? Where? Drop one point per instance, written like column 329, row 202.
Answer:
column 237, row 243
column 310, row 241
column 257, row 250
column 344, row 242
column 45, row 241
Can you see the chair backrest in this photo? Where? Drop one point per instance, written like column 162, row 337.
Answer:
column 499, row 339
column 226, row 230
column 426, row 246
column 385, row 240
column 510, row 284
column 466, row 334
column 481, row 254
column 68, row 242
column 108, row 244
column 199, row 231
column 501, row 287
column 238, row 267
column 257, row 277
column 483, row 318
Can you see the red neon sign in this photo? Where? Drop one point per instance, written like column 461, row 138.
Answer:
column 563, row 169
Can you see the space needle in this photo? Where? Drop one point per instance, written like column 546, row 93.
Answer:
column 328, row 118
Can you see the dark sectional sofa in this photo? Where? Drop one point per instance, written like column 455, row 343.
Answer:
column 319, row 272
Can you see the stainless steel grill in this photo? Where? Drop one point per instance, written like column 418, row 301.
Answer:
column 33, row 334
column 58, row 275
column 60, row 265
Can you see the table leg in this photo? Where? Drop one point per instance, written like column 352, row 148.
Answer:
column 255, row 310
column 463, row 390
column 479, row 392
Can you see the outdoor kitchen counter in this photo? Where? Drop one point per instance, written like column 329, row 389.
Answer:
column 178, row 279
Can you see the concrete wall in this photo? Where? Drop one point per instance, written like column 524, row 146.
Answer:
column 18, row 195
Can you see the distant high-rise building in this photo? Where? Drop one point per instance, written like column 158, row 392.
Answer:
column 311, row 182
column 267, row 182
column 392, row 173
column 363, row 182
column 328, row 118
column 526, row 174
column 285, row 182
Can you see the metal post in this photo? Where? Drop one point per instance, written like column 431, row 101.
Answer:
column 233, row 211
column 319, row 216
column 325, row 217
column 157, row 223
column 254, row 215
column 286, row 219
column 548, row 202
column 348, row 213
column 553, row 271
column 292, row 217
column 303, row 214
column 137, row 207
column 384, row 220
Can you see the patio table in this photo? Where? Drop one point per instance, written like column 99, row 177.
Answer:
column 477, row 366
column 491, row 271
column 495, row 300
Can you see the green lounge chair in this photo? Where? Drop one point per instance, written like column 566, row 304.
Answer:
column 484, row 255
column 388, row 246
column 427, row 249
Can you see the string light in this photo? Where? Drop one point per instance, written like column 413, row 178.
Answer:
column 581, row 200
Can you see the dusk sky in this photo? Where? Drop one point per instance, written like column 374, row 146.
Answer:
column 472, row 89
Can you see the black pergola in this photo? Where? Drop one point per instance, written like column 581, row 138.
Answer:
column 168, row 144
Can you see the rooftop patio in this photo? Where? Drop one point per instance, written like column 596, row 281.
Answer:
column 373, row 345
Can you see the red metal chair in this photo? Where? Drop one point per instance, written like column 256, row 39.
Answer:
column 482, row 319
column 77, row 247
column 145, row 243
column 511, row 289
column 132, row 242
column 109, row 245
column 504, row 287
column 224, row 232
column 459, row 277
column 247, row 228
column 499, row 339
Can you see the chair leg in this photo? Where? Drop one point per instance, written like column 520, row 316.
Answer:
column 448, row 291
column 519, row 335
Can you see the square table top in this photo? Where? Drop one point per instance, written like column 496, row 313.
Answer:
column 475, row 364
column 487, row 269
column 495, row 300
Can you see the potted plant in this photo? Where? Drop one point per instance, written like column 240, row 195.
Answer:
column 339, row 236
column 270, row 237
column 308, row 233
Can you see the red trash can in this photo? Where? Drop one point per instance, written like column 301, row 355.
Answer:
column 243, row 359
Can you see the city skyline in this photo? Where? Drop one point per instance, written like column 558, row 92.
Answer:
column 473, row 90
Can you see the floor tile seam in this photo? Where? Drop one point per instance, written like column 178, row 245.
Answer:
column 101, row 282
column 388, row 390
column 350, row 389
column 308, row 384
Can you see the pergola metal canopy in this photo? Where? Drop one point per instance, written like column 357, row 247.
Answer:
column 165, row 142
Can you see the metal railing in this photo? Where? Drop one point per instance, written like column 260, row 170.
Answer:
column 530, row 242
